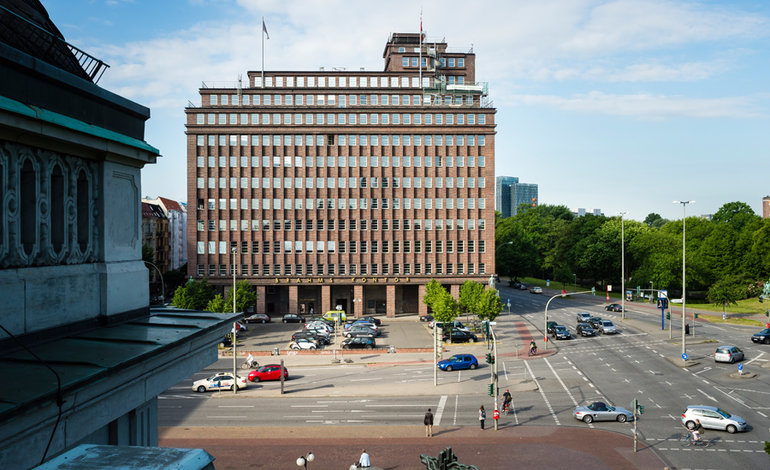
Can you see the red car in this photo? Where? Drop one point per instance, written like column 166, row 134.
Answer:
column 268, row 372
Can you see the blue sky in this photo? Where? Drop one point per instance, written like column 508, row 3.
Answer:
column 622, row 105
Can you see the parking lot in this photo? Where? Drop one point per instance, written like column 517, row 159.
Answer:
column 400, row 332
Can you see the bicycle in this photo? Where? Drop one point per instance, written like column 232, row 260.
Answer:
column 686, row 440
column 532, row 352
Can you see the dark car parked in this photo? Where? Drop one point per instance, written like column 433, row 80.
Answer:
column 319, row 339
column 370, row 319
column 426, row 318
column 550, row 326
column 359, row 342
column 460, row 336
column 258, row 318
column 359, row 331
column 584, row 329
column 761, row 337
column 614, row 307
column 293, row 318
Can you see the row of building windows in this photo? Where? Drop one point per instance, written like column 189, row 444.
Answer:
column 342, row 269
column 345, row 100
column 254, row 119
column 350, row 246
column 385, row 224
column 337, row 81
column 331, row 161
column 351, row 203
column 342, row 183
column 443, row 61
column 300, row 140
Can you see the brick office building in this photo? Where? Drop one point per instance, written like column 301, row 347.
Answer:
column 327, row 188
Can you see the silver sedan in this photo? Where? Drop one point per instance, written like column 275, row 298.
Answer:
column 599, row 411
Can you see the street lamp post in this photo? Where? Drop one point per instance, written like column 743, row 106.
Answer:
column 162, row 284
column 622, row 267
column 235, row 331
column 684, row 222
column 652, row 290
column 304, row 459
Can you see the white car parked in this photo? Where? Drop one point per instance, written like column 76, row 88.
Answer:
column 302, row 343
column 219, row 381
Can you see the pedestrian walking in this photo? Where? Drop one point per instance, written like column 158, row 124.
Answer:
column 428, row 424
column 482, row 416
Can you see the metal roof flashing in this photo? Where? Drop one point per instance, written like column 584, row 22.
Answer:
column 130, row 350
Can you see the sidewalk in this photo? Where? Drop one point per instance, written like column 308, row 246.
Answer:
column 399, row 447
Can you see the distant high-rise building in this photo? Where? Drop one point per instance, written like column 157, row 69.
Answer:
column 503, row 194
column 510, row 194
column 766, row 207
column 523, row 193
column 583, row 211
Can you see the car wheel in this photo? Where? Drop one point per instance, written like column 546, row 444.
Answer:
column 369, row 346
column 201, row 389
column 256, row 379
column 232, row 387
column 449, row 368
column 284, row 321
column 690, row 424
column 622, row 418
column 731, row 429
column 346, row 347
column 588, row 419
column 732, row 360
column 473, row 366
column 766, row 341
column 471, row 340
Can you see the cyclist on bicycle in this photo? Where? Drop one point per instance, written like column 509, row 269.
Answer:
column 532, row 347
column 697, row 431
column 507, row 399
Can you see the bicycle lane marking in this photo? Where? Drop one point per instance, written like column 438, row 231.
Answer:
column 569, row 394
column 542, row 393
column 440, row 409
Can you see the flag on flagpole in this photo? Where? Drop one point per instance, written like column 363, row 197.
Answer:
column 264, row 29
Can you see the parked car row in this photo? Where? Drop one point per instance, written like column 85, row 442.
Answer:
column 359, row 333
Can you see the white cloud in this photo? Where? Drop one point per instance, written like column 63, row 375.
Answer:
column 644, row 106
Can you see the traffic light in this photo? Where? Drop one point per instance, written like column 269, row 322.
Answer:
column 490, row 358
column 696, row 315
column 491, row 390
column 641, row 409
column 668, row 315
column 486, row 328
column 593, row 291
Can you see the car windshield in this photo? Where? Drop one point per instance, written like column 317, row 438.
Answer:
column 607, row 323
column 723, row 413
column 561, row 328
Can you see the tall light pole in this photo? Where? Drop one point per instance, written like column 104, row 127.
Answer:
column 235, row 330
column 684, row 302
column 162, row 285
column 622, row 267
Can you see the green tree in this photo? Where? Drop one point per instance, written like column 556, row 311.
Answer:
column 470, row 293
column 218, row 305
column 489, row 305
column 195, row 295
column 728, row 290
column 433, row 291
column 738, row 214
column 445, row 309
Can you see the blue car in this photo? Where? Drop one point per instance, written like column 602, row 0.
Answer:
column 458, row 362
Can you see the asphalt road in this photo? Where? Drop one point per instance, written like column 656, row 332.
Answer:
column 640, row 362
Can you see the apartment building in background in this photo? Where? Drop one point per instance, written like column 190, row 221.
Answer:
column 766, row 207
column 176, row 213
column 510, row 195
column 345, row 188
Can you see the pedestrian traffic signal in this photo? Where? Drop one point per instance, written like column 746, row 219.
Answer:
column 491, row 390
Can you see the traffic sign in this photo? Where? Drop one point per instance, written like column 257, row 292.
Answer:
column 740, row 367
column 509, row 302
column 684, row 357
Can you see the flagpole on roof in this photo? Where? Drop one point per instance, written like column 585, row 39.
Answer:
column 264, row 33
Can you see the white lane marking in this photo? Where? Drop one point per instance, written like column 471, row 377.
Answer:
column 542, row 393
column 731, row 397
column 231, row 417
column 707, row 395
column 760, row 355
column 235, row 406
column 454, row 417
column 366, row 380
column 440, row 409
column 760, row 413
column 307, row 406
column 701, row 371
column 394, row 406
column 505, row 372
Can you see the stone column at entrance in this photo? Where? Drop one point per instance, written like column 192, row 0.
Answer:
column 390, row 301
column 326, row 299
column 454, row 289
column 261, row 306
column 358, row 305
column 423, row 309
column 293, row 299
